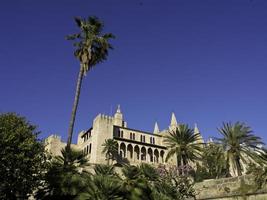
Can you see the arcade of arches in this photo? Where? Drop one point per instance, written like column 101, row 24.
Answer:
column 141, row 153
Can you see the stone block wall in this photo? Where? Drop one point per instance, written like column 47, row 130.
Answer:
column 236, row 188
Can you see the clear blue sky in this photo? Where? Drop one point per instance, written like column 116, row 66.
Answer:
column 204, row 60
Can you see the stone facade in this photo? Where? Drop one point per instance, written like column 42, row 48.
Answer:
column 135, row 146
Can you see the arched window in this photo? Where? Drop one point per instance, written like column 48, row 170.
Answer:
column 141, row 138
column 133, row 136
column 90, row 148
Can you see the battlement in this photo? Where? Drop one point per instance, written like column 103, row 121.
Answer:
column 53, row 137
column 104, row 118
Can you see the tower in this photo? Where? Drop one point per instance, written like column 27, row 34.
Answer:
column 196, row 131
column 173, row 124
column 118, row 117
column 156, row 128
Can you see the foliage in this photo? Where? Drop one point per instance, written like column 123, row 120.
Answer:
column 172, row 184
column 208, row 169
column 185, row 144
column 101, row 187
column 240, row 145
column 110, row 149
column 136, row 183
column 91, row 45
column 105, row 170
column 259, row 173
column 22, row 157
column 149, row 172
column 136, row 186
column 65, row 177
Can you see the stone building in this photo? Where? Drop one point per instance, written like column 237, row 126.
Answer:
column 135, row 146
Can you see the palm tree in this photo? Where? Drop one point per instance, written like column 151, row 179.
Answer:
column 110, row 149
column 240, row 145
column 185, row 144
column 134, row 184
column 65, row 177
column 91, row 48
column 149, row 172
column 103, row 188
column 105, row 170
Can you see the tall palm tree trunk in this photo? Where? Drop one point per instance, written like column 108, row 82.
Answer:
column 74, row 107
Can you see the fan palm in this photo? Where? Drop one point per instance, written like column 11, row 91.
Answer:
column 184, row 144
column 65, row 177
column 149, row 172
column 91, row 48
column 240, row 145
column 135, row 185
column 103, row 188
column 105, row 170
column 110, row 149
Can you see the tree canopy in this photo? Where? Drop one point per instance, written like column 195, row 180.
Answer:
column 22, row 157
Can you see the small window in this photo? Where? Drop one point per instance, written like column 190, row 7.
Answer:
column 121, row 134
column 141, row 138
column 90, row 148
column 152, row 140
column 133, row 136
column 144, row 138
